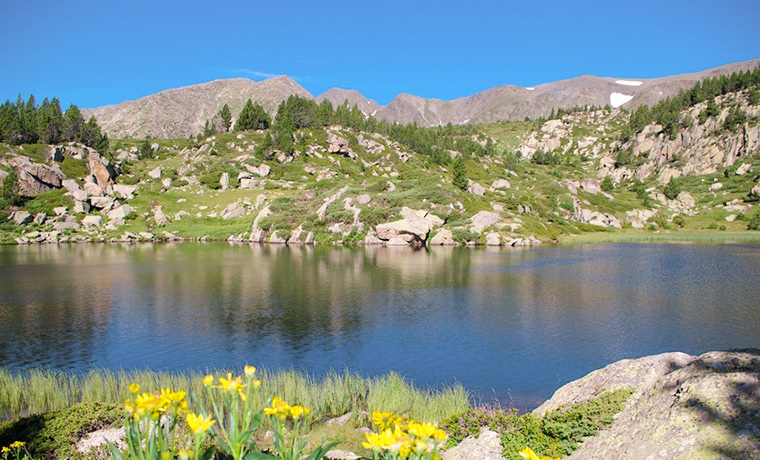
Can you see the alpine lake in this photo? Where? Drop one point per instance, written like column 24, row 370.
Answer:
column 510, row 325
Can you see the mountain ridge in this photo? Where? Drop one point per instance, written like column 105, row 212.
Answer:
column 182, row 112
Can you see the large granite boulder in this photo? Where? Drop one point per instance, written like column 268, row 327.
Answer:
column 412, row 229
column 685, row 407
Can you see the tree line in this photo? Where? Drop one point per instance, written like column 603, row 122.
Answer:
column 26, row 122
column 668, row 112
column 297, row 113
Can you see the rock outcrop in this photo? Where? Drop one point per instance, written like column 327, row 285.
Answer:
column 685, row 407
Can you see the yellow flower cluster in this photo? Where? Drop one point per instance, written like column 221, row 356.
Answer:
column 155, row 404
column 282, row 410
column 405, row 437
column 528, row 454
column 16, row 445
column 234, row 383
column 198, row 424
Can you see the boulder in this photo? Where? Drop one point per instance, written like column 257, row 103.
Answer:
column 487, row 446
column 92, row 221
column 81, row 207
column 363, row 199
column 413, row 228
column 101, row 168
column 120, row 212
column 224, row 181
column 166, row 183
column 336, row 144
column 40, row 218
column 483, row 220
column 264, row 213
column 499, row 184
column 70, row 184
column 22, row 218
column 36, row 178
column 279, row 237
column 233, row 210
column 397, row 241
column 705, row 407
column 159, row 217
column 156, row 173
column 476, row 189
column 493, row 239
column 102, row 202
column 443, row 238
column 68, row 223
column 124, row 191
column 591, row 186
column 80, row 195
column 743, row 169
column 61, row 210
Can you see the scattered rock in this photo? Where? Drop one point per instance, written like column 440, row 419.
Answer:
column 341, row 455
column 92, row 221
column 493, row 239
column 363, row 199
column 443, row 238
column 743, row 169
column 155, row 173
column 22, row 218
column 102, row 438
column 499, row 184
column 476, row 189
column 120, row 212
column 483, row 220
column 487, row 446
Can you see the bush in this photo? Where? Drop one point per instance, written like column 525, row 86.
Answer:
column 607, row 185
column 754, row 222
column 556, row 434
column 52, row 435
column 672, row 190
column 74, row 168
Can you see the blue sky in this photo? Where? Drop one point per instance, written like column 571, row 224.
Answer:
column 94, row 53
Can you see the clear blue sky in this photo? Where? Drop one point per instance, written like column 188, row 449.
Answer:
column 94, row 53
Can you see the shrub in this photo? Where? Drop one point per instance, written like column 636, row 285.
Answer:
column 607, row 185
column 74, row 168
column 672, row 190
column 556, row 434
column 754, row 222
column 53, row 434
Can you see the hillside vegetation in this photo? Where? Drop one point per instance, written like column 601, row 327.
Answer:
column 318, row 174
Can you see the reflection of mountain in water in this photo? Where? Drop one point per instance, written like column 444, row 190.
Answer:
column 515, row 324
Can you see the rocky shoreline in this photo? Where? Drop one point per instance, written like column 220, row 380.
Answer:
column 685, row 407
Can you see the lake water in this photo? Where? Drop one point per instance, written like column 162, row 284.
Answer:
column 509, row 324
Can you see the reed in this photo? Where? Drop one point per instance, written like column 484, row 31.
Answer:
column 334, row 394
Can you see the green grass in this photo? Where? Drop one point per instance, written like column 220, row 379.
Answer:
column 337, row 393
column 646, row 236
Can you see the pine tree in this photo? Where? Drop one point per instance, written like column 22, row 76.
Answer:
column 226, row 117
column 459, row 173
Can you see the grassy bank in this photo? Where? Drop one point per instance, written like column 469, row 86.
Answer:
column 662, row 237
column 335, row 394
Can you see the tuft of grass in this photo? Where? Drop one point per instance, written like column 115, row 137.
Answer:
column 335, row 394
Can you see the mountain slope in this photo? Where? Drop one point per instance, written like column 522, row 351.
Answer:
column 180, row 112
column 183, row 111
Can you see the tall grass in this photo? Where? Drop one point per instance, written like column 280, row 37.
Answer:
column 662, row 237
column 335, row 394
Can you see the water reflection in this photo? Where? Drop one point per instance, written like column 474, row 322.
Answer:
column 511, row 324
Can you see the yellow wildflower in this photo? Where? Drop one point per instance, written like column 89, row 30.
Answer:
column 279, row 408
column 530, row 455
column 249, row 371
column 166, row 455
column 298, row 411
column 208, row 380
column 134, row 388
column 382, row 441
column 198, row 424
column 385, row 420
column 6, row 449
column 18, row 444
